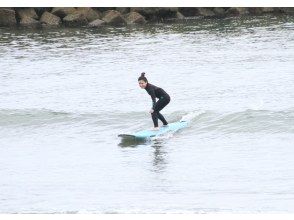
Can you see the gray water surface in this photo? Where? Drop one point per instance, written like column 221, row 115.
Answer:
column 65, row 95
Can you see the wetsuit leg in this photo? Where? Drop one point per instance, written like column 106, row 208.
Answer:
column 160, row 104
column 155, row 118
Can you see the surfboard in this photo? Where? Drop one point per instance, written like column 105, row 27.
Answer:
column 145, row 134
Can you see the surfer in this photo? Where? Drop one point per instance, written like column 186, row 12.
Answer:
column 157, row 106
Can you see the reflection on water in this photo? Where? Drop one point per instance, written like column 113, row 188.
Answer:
column 133, row 142
column 160, row 155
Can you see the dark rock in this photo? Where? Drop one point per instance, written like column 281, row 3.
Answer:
column 219, row 12
column 170, row 12
column 156, row 13
column 29, row 22
column 135, row 18
column 104, row 9
column 89, row 13
column 189, row 11
column 288, row 10
column 7, row 17
column 236, row 11
column 50, row 19
column 62, row 12
column 206, row 12
column 123, row 10
column 75, row 20
column 27, row 12
column 255, row 11
column 278, row 10
column 147, row 12
column 113, row 17
column 41, row 10
column 97, row 23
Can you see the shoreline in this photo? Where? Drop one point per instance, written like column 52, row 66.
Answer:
column 89, row 17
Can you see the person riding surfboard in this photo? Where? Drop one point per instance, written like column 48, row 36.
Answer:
column 157, row 106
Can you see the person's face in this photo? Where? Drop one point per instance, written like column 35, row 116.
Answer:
column 142, row 84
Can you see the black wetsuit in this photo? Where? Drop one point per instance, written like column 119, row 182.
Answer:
column 164, row 99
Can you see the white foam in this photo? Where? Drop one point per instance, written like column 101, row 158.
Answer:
column 191, row 115
column 165, row 136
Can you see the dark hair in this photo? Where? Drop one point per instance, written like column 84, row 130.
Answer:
column 142, row 77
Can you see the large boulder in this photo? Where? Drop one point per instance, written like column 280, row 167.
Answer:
column 219, row 12
column 27, row 12
column 189, row 11
column 89, row 13
column 62, row 12
column 237, row 11
column 7, row 17
column 156, row 13
column 123, row 10
column 75, row 20
column 135, row 18
column 206, row 12
column 50, row 19
column 147, row 12
column 97, row 23
column 113, row 17
column 29, row 22
column 167, row 12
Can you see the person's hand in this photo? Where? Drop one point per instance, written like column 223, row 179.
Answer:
column 151, row 111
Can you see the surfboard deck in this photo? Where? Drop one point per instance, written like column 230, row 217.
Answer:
column 145, row 134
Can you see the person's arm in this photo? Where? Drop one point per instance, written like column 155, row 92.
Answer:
column 153, row 97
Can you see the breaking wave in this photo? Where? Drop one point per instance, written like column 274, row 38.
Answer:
column 202, row 121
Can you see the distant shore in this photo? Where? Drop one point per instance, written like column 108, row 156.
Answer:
column 97, row 17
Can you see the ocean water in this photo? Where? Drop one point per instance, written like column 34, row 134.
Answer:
column 66, row 94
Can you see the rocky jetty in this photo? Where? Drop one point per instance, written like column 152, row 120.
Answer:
column 120, row 16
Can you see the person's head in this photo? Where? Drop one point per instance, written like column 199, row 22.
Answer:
column 142, row 81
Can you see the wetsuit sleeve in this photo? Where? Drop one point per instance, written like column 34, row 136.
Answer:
column 153, row 97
